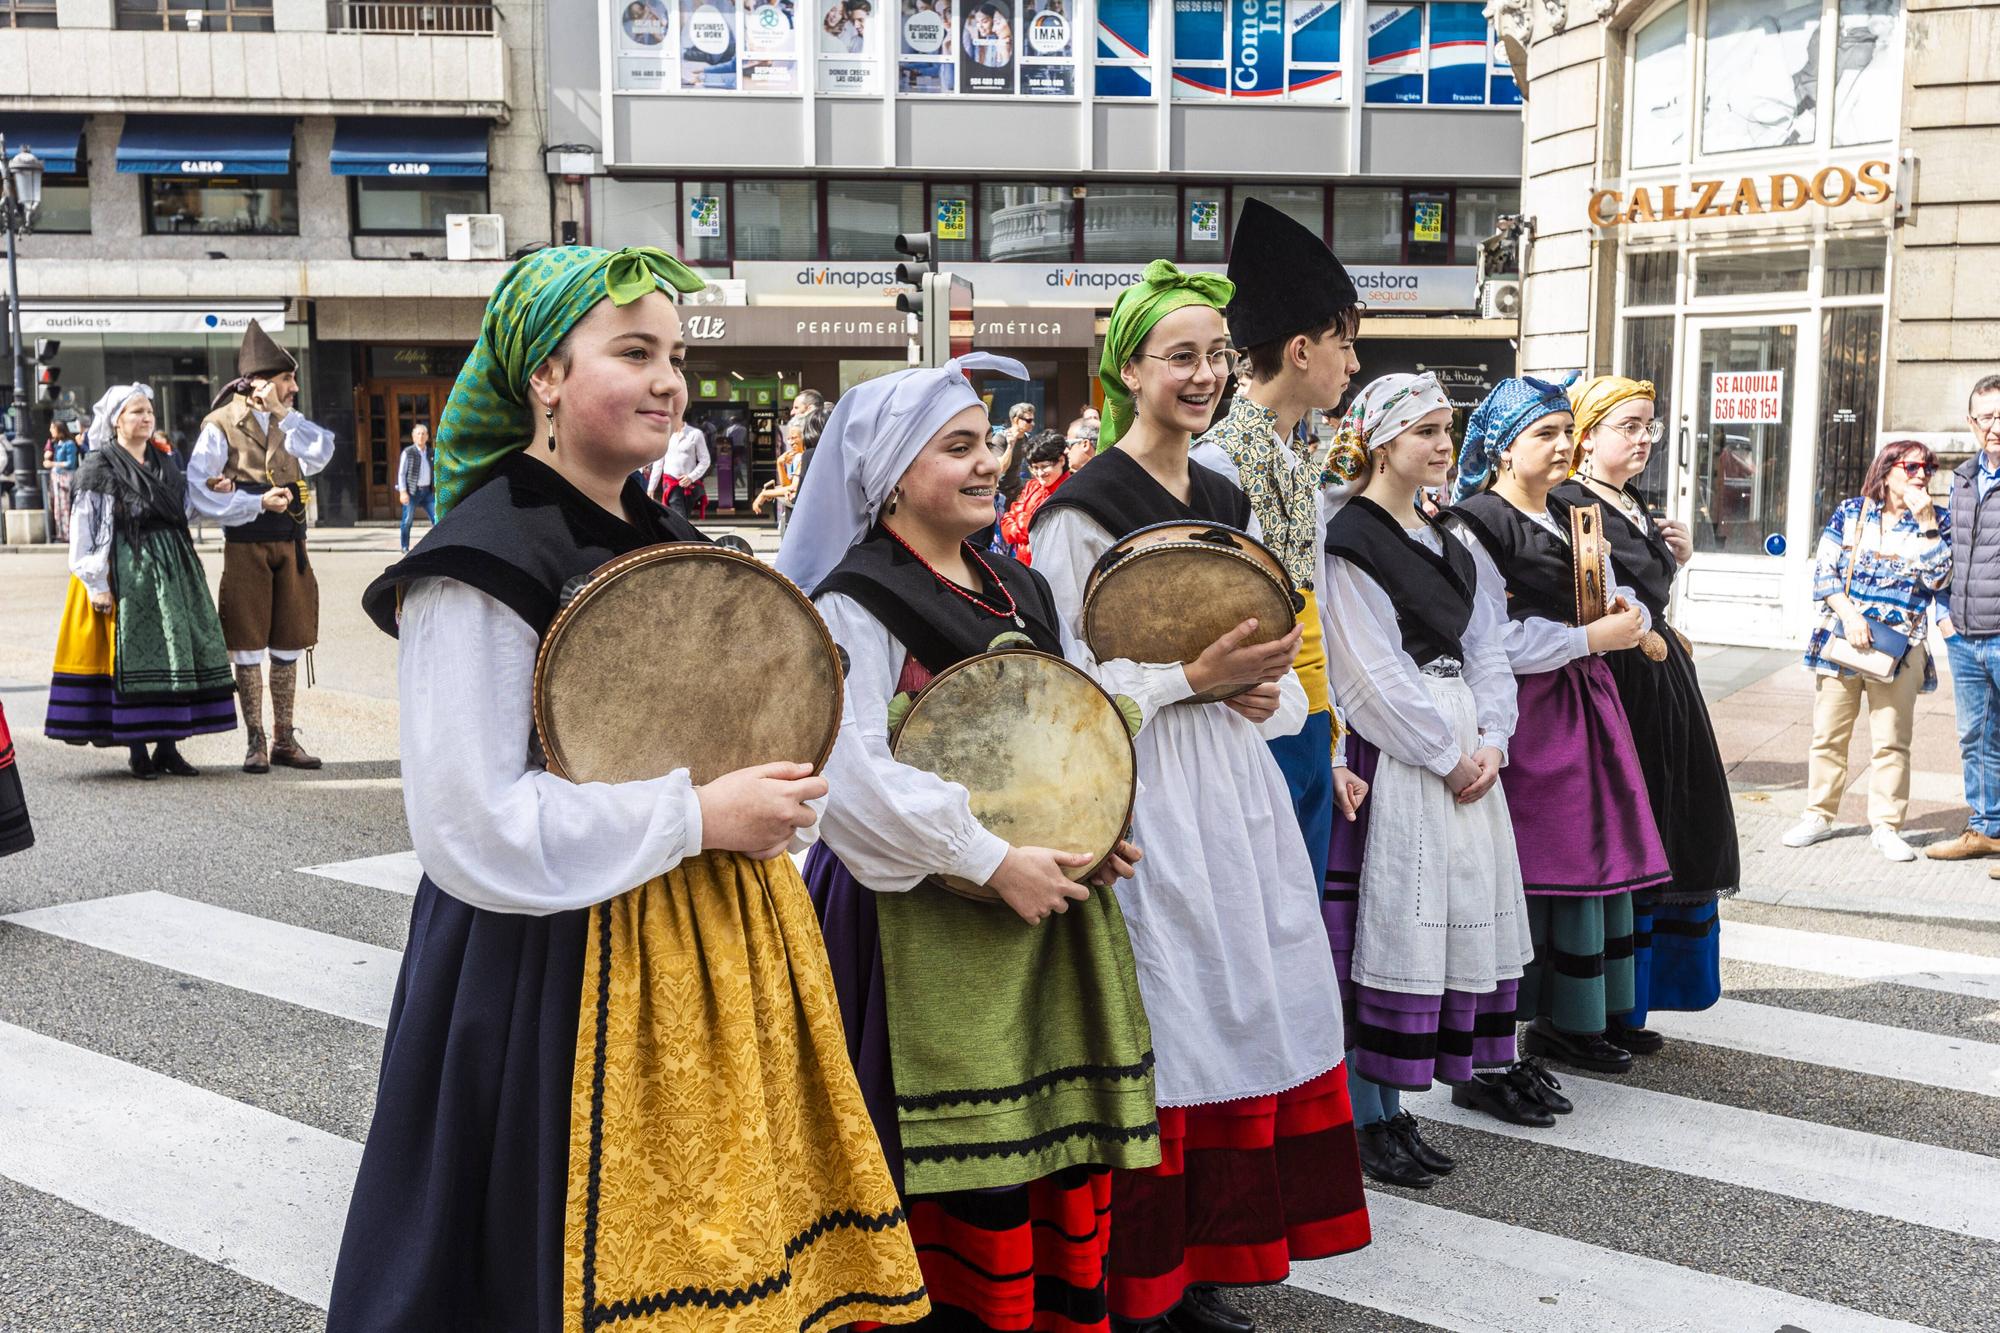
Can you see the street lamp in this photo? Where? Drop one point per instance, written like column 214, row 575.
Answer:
column 21, row 177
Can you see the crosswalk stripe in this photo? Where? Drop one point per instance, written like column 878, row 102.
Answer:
column 397, row 872
column 1862, row 959
column 1957, row 1063
column 1847, row 1168
column 254, row 1192
column 305, row 967
column 1473, row 1275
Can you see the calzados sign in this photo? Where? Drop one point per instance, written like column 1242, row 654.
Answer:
column 1780, row 192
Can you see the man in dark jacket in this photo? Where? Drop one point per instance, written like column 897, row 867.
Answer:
column 1972, row 641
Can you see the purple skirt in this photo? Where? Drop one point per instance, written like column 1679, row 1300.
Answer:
column 1577, row 794
column 854, row 951
column 1398, row 1040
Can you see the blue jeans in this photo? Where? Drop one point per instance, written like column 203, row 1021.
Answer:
column 420, row 498
column 1975, row 691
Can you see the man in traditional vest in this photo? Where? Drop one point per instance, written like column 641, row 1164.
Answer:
column 254, row 440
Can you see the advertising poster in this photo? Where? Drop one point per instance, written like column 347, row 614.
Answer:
column 1257, row 53
column 1458, row 54
column 704, row 220
column 1312, row 71
column 1048, row 53
column 986, row 47
column 1201, row 35
column 770, row 47
column 642, row 37
column 1204, row 220
column 951, row 220
column 1427, row 222
column 1501, row 90
column 1395, row 53
column 850, row 46
column 925, row 48
column 708, row 44
column 1124, row 34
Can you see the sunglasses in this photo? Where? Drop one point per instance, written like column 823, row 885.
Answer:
column 1915, row 467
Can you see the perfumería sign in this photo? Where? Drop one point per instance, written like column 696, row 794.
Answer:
column 1743, row 196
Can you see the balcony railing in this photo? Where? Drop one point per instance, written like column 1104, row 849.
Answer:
column 417, row 19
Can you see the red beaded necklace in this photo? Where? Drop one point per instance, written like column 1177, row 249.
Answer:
column 1011, row 609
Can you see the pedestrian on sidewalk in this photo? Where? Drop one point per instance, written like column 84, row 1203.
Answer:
column 413, row 480
column 1884, row 558
column 60, row 457
column 1971, row 626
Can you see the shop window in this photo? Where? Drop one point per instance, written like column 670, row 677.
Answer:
column 705, row 222
column 1867, row 86
column 215, row 15
column 1367, row 224
column 1855, row 267
column 1125, row 48
column 863, row 218
column 1658, row 96
column 65, row 208
column 1758, row 273
column 1304, row 204
column 951, row 217
column 776, row 219
column 1477, row 215
column 1762, row 77
column 986, row 47
column 28, row 14
column 412, row 206
column 1437, row 54
column 1130, row 223
column 1428, row 215
column 1649, row 355
column 1650, row 276
column 1201, row 224
column 1033, row 222
column 1850, row 376
column 222, row 205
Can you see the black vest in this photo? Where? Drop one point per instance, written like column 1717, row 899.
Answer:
column 521, row 537
column 938, row 626
column 1432, row 593
column 1116, row 491
column 1537, row 564
column 1642, row 561
column 1975, row 554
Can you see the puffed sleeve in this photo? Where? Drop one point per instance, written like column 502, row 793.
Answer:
column 490, row 828
column 90, row 540
column 205, row 463
column 1535, row 644
column 1381, row 691
column 1487, row 671
column 307, row 441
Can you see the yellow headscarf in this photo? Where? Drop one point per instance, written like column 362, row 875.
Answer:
column 1591, row 400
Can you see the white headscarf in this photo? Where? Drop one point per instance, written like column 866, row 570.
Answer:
column 103, row 430
column 877, row 429
column 1380, row 412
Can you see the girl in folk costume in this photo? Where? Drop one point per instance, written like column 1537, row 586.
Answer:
column 1005, row 1102
column 614, row 1089
column 1431, row 930
column 1586, row 839
column 1258, row 1163
column 140, row 657
column 1675, row 925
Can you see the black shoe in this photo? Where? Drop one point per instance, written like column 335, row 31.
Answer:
column 1639, row 1041
column 1140, row 1326
column 1404, row 1126
column 1501, row 1097
column 1384, row 1158
column 1202, row 1311
column 167, row 759
column 1535, row 1081
column 1584, row 1050
column 141, row 764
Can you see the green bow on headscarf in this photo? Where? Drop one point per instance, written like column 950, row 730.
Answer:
column 1161, row 290
column 539, row 300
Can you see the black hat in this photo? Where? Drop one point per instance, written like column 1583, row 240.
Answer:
column 1287, row 281
column 259, row 357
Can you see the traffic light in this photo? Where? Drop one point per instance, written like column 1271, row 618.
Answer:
column 940, row 304
column 47, row 373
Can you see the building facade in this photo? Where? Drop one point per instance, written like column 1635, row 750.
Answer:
column 1050, row 147
column 1785, row 217
column 291, row 161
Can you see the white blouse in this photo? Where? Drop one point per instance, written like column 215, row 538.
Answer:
column 306, row 441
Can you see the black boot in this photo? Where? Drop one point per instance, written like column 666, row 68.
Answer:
column 1639, row 1041
column 1384, row 1158
column 1501, row 1097
column 167, row 758
column 1585, row 1050
column 141, row 764
column 1404, row 1126
column 1534, row 1080
column 1202, row 1310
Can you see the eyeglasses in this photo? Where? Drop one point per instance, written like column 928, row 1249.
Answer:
column 1636, row 429
column 1915, row 466
column 1986, row 420
column 1181, row 365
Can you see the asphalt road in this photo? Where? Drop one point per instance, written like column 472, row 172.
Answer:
column 1817, row 1156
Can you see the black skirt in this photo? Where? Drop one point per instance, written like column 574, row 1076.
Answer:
column 1685, row 780
column 457, row 1217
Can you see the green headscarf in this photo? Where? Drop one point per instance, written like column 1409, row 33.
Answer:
column 1162, row 290
column 539, row 300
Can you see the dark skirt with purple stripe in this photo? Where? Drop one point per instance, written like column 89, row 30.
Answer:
column 1576, row 790
column 89, row 710
column 1399, row 1040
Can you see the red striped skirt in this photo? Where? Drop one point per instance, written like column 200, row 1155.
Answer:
column 1243, row 1188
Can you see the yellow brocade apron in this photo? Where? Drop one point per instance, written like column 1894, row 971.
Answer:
column 85, row 638
column 724, row 1176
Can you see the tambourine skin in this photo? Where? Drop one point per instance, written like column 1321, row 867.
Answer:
column 1166, row 592
column 1039, row 746
column 634, row 680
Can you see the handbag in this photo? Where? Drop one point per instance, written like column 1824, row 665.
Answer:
column 1887, row 646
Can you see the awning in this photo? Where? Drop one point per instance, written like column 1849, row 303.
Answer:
column 54, row 139
column 206, row 145
column 408, row 146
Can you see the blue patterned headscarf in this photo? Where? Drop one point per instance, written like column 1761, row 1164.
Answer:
column 1513, row 406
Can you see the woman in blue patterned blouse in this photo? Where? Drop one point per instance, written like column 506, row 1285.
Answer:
column 1884, row 558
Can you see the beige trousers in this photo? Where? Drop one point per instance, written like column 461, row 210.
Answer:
column 1892, row 718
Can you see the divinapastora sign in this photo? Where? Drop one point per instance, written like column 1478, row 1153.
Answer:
column 1778, row 192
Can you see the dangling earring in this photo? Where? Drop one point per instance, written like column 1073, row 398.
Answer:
column 550, row 413
column 894, row 496
column 1382, row 466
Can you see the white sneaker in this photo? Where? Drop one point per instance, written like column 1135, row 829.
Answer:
column 1809, row 830
column 1890, row 843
